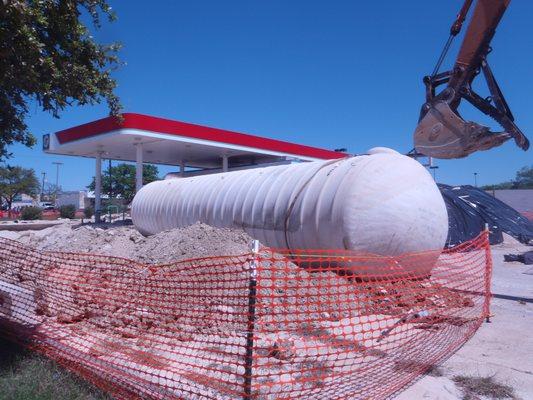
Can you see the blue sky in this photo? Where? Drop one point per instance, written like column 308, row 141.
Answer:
column 329, row 74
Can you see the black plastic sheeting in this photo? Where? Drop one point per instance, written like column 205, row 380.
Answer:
column 470, row 208
column 526, row 258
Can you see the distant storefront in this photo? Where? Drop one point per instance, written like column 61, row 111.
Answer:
column 23, row 200
column 75, row 198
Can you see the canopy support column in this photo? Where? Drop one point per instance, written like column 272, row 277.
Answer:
column 98, row 187
column 139, row 168
column 224, row 163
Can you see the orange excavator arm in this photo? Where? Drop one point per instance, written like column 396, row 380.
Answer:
column 441, row 131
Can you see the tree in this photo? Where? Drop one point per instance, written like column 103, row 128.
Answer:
column 120, row 182
column 15, row 181
column 49, row 191
column 498, row 186
column 47, row 55
column 523, row 180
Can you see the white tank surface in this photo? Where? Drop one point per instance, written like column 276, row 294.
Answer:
column 381, row 203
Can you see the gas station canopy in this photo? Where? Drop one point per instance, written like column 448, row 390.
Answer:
column 165, row 141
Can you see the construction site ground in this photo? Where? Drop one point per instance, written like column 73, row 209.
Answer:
column 501, row 349
column 501, row 352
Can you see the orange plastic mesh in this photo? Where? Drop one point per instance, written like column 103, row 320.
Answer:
column 528, row 215
column 312, row 324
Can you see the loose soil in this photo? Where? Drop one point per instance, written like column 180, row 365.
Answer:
column 195, row 241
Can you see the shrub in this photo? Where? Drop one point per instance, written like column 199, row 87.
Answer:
column 88, row 212
column 67, row 211
column 31, row 213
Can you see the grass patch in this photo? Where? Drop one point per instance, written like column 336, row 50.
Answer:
column 28, row 376
column 473, row 387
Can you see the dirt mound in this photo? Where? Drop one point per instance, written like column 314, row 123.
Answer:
column 203, row 286
column 194, row 241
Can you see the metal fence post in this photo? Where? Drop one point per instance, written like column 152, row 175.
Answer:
column 488, row 275
column 252, row 292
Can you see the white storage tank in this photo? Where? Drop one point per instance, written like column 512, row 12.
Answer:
column 382, row 203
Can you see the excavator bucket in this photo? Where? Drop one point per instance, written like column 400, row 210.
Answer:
column 442, row 133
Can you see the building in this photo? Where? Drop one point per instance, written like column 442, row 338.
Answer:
column 23, row 200
column 75, row 198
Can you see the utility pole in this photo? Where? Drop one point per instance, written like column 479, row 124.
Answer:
column 475, row 179
column 433, row 167
column 57, row 164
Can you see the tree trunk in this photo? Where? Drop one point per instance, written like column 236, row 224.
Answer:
column 9, row 204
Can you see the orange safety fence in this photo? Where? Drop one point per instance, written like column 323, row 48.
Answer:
column 528, row 214
column 270, row 324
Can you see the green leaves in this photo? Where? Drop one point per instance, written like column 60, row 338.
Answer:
column 47, row 55
column 15, row 181
column 120, row 182
column 523, row 180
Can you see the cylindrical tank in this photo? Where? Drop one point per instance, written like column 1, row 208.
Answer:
column 381, row 203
